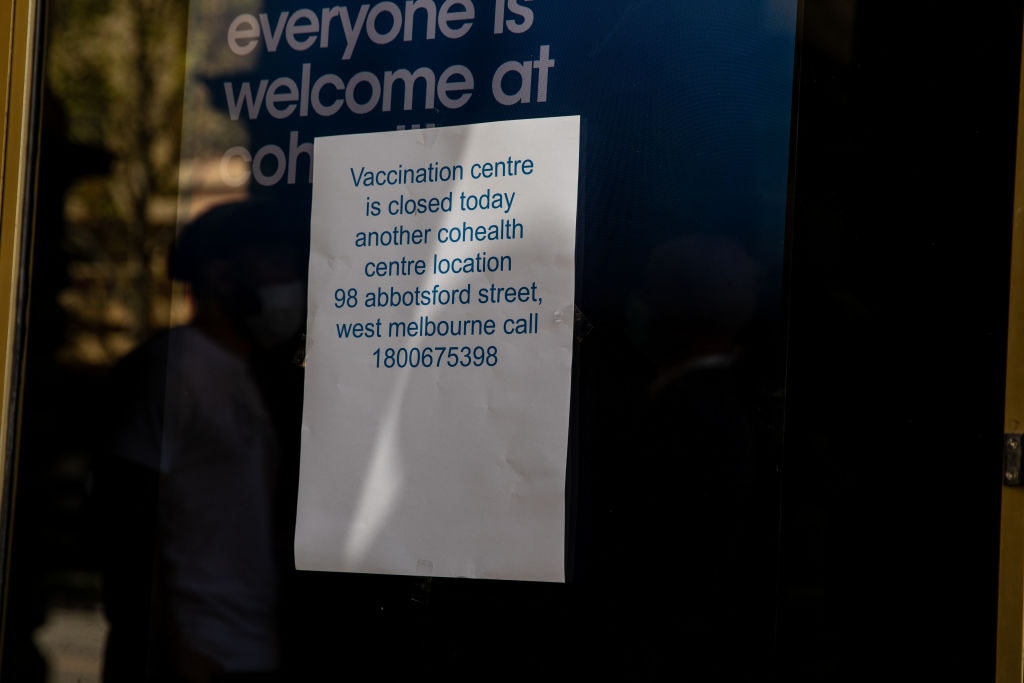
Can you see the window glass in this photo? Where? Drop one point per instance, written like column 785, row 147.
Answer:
column 165, row 430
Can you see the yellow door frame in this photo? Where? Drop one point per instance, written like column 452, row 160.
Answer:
column 18, row 26
column 1010, row 620
column 17, row 48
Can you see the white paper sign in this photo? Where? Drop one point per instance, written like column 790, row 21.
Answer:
column 439, row 349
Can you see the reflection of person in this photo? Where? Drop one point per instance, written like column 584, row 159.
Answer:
column 187, row 492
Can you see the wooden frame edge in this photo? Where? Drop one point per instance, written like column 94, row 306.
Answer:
column 18, row 24
column 16, row 94
column 1010, row 619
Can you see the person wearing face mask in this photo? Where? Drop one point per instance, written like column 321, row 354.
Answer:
column 188, row 490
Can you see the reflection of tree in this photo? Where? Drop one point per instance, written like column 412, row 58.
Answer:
column 117, row 69
column 105, row 213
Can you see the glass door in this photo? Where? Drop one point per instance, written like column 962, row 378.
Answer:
column 497, row 386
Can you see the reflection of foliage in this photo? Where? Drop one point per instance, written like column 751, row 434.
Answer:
column 117, row 69
column 209, row 56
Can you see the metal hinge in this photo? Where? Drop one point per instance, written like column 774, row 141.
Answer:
column 1012, row 473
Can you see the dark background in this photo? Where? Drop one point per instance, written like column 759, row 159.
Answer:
column 898, row 284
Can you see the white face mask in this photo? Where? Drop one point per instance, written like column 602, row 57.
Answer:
column 282, row 313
